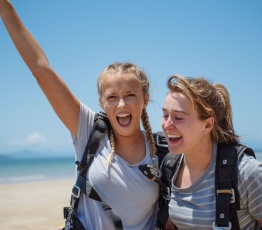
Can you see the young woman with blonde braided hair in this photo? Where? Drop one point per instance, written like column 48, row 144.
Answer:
column 123, row 95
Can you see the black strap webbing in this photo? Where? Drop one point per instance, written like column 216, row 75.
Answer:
column 98, row 132
column 169, row 167
column 227, row 195
column 226, row 180
column 88, row 189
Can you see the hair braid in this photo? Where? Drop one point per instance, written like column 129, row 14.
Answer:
column 129, row 68
column 149, row 134
column 112, row 143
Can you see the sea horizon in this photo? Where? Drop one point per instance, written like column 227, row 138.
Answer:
column 25, row 170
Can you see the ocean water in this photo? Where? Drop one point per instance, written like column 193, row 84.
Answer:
column 29, row 170
column 259, row 155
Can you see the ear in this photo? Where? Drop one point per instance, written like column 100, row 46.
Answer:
column 146, row 100
column 101, row 103
column 209, row 124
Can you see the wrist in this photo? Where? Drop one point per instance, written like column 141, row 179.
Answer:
column 5, row 7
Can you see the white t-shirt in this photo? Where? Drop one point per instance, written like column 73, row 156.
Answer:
column 131, row 195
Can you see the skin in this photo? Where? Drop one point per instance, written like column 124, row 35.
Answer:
column 187, row 134
column 129, row 144
column 62, row 100
column 123, row 101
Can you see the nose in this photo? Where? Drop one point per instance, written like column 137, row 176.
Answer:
column 121, row 102
column 167, row 123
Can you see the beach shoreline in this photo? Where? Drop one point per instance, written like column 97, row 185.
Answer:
column 35, row 205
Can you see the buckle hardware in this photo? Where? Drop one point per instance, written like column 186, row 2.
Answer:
column 222, row 228
column 155, row 171
column 76, row 191
column 166, row 194
column 230, row 191
column 160, row 142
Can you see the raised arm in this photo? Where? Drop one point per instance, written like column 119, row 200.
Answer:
column 58, row 94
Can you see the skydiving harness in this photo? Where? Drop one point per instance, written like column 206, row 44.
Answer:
column 226, row 180
column 82, row 185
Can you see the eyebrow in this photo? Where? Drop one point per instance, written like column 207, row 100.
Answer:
column 176, row 110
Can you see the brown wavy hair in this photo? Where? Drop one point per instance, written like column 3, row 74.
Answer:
column 209, row 100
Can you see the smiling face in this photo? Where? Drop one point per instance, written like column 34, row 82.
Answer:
column 184, row 130
column 123, row 101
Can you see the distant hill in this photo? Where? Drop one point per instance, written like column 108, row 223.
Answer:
column 4, row 158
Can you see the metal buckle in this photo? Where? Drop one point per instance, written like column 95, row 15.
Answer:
column 168, row 196
column 222, row 228
column 76, row 191
column 158, row 141
column 230, row 191
column 155, row 171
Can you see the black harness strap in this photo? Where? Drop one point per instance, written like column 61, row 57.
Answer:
column 88, row 189
column 226, row 180
column 169, row 167
column 98, row 132
column 224, row 183
column 161, row 145
column 162, row 149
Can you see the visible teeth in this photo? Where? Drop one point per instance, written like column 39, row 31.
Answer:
column 173, row 136
column 123, row 115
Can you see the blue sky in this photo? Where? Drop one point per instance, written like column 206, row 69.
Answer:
column 220, row 40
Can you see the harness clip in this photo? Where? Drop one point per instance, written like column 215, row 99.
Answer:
column 155, row 171
column 161, row 139
column 165, row 192
column 222, row 228
column 76, row 191
column 230, row 191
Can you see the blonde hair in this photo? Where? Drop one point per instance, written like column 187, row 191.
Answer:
column 209, row 100
column 127, row 68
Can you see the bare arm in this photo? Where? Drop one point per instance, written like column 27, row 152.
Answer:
column 170, row 225
column 260, row 222
column 58, row 94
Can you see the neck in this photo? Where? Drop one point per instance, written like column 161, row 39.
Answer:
column 132, row 148
column 194, row 165
column 200, row 159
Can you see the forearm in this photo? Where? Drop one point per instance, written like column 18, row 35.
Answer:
column 58, row 94
column 26, row 45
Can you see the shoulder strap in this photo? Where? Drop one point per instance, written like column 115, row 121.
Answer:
column 162, row 149
column 100, row 128
column 161, row 145
column 168, row 169
column 169, row 164
column 226, row 180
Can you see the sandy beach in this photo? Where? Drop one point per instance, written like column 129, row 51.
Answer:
column 35, row 205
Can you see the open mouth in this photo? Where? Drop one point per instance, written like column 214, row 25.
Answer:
column 173, row 138
column 124, row 119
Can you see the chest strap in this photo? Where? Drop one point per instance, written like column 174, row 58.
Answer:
column 98, row 132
